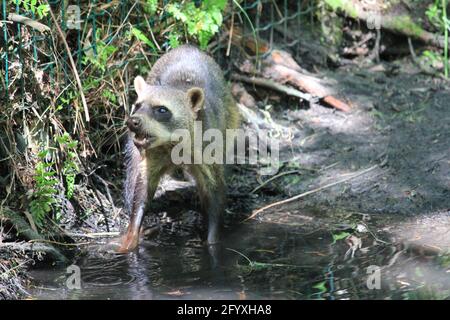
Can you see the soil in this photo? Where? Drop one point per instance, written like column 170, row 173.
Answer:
column 400, row 122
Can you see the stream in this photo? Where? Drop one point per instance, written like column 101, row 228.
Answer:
column 257, row 260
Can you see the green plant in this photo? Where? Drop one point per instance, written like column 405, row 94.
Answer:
column 45, row 188
column 446, row 24
column 45, row 197
column 200, row 22
column 109, row 95
column 69, row 168
column 104, row 53
column 150, row 6
column 142, row 37
column 437, row 16
column 340, row 236
column 322, row 288
column 35, row 6
column 431, row 59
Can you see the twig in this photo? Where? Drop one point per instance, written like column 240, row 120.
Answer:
column 273, row 178
column 231, row 35
column 302, row 195
column 42, row 28
column 373, row 234
column 151, row 33
column 412, row 52
column 3, row 274
column 270, row 84
column 72, row 64
column 37, row 241
column 94, row 235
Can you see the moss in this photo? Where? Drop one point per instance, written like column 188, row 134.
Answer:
column 344, row 5
column 404, row 24
column 401, row 23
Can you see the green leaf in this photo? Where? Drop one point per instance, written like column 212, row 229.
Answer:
column 142, row 37
column 42, row 154
column 340, row 236
column 173, row 40
column 151, row 6
column 321, row 286
column 175, row 11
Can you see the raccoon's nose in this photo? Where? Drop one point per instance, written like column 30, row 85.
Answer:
column 134, row 123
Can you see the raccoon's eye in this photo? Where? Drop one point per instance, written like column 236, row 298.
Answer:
column 161, row 113
column 137, row 106
column 161, row 109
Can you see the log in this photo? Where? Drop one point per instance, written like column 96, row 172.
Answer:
column 280, row 66
column 283, row 67
column 396, row 23
column 270, row 84
column 306, row 83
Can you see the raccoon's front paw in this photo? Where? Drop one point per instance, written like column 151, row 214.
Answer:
column 128, row 242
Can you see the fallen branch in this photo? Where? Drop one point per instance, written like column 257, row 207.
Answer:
column 302, row 195
column 42, row 28
column 270, row 84
column 305, row 82
column 281, row 67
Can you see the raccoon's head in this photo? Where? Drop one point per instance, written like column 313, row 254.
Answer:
column 160, row 110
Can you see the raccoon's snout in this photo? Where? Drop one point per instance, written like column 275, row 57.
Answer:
column 134, row 124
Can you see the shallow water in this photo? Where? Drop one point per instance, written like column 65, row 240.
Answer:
column 258, row 260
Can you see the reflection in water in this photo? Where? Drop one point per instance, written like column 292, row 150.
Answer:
column 266, row 261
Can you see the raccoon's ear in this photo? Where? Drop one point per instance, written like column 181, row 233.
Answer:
column 140, row 85
column 196, row 99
